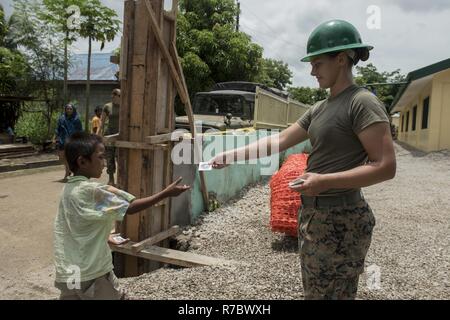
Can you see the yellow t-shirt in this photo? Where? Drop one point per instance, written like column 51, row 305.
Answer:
column 96, row 123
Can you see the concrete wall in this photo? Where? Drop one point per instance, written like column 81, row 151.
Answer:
column 99, row 95
column 437, row 135
column 225, row 183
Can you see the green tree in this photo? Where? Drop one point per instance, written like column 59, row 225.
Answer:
column 43, row 48
column 14, row 71
column 384, row 84
column 275, row 73
column 308, row 95
column 210, row 49
column 98, row 23
column 65, row 16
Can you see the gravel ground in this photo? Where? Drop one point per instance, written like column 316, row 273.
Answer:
column 410, row 245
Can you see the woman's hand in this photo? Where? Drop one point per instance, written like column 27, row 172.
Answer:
column 219, row 161
column 314, row 184
column 174, row 190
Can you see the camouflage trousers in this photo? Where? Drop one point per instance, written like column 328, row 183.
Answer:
column 111, row 157
column 333, row 244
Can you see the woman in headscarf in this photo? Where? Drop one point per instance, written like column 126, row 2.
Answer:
column 68, row 123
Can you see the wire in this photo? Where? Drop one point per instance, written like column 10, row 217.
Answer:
column 274, row 33
column 271, row 37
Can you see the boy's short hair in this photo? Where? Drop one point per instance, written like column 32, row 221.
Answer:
column 98, row 109
column 80, row 144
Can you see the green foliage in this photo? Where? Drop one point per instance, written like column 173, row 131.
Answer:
column 205, row 14
column 3, row 24
column 14, row 68
column 13, row 71
column 211, row 50
column 58, row 13
column 40, row 41
column 308, row 95
column 275, row 74
column 98, row 22
column 33, row 125
column 43, row 49
column 370, row 74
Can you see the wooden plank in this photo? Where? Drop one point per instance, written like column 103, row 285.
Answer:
column 111, row 138
column 156, row 238
column 135, row 145
column 126, row 54
column 161, row 138
column 137, row 91
column 170, row 30
column 9, row 147
column 165, row 52
column 153, row 113
column 187, row 104
column 170, row 256
column 169, row 16
column 190, row 114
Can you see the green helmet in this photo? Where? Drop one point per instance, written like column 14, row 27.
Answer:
column 335, row 36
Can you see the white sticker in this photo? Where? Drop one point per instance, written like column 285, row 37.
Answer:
column 119, row 239
column 296, row 183
column 204, row 166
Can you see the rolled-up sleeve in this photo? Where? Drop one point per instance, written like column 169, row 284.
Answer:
column 102, row 202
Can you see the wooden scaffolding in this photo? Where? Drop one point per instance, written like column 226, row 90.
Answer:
column 150, row 77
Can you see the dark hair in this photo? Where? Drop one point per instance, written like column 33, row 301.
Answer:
column 334, row 54
column 360, row 54
column 98, row 109
column 80, row 144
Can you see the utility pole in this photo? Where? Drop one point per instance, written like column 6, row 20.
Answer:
column 238, row 13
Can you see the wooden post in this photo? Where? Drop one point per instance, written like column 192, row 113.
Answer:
column 150, row 76
column 147, row 97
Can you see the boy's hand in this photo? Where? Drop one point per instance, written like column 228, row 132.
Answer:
column 173, row 190
column 116, row 239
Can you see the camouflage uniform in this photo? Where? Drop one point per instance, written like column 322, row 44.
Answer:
column 333, row 243
column 112, row 127
column 111, row 156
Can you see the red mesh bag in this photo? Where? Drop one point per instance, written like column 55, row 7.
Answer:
column 284, row 202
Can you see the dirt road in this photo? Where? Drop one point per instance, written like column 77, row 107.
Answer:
column 28, row 207
column 410, row 244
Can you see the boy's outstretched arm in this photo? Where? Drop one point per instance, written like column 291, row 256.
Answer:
column 171, row 190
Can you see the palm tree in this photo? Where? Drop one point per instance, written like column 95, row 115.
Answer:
column 59, row 13
column 99, row 23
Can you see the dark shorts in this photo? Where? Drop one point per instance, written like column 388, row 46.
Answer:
column 333, row 244
column 103, row 288
column 111, row 157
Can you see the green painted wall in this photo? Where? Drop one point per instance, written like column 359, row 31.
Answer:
column 227, row 182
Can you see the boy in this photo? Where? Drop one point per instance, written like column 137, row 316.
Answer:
column 85, row 217
column 96, row 123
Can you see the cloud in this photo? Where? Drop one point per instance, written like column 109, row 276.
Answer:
column 421, row 5
column 413, row 34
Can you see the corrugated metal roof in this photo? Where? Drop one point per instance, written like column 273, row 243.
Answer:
column 101, row 67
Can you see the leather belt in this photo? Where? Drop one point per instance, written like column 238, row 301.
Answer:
column 344, row 199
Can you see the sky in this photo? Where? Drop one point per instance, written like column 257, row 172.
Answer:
column 406, row 34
